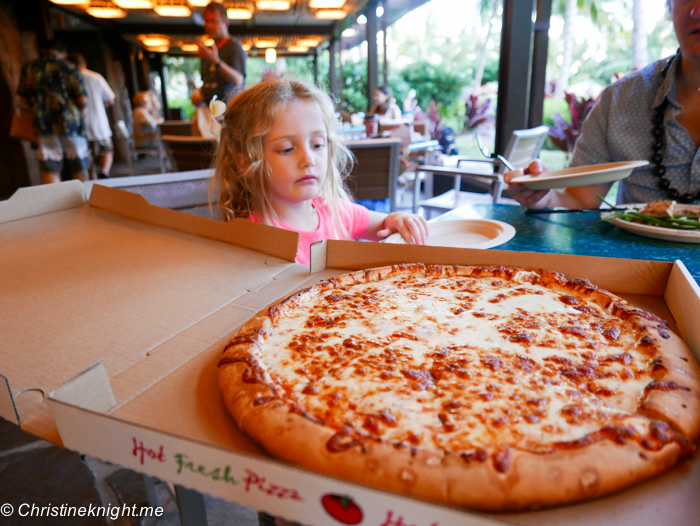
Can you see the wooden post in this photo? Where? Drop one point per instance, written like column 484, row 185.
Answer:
column 372, row 61
column 316, row 66
column 515, row 70
column 385, row 63
column 332, row 70
column 539, row 63
column 160, row 67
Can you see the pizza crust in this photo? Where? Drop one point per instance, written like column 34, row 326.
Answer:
column 497, row 478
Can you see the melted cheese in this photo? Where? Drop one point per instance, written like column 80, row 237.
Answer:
column 457, row 363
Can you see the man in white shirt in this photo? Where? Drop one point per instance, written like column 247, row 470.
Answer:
column 99, row 133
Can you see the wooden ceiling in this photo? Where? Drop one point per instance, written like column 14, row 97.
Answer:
column 297, row 23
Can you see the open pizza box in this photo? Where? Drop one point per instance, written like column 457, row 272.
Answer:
column 115, row 313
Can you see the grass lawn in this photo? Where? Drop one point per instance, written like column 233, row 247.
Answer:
column 553, row 159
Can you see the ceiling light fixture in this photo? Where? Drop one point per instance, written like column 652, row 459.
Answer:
column 71, row 2
column 246, row 46
column 271, row 56
column 198, row 3
column 330, row 14
column 273, row 5
column 237, row 13
column 134, row 4
column 154, row 41
column 265, row 43
column 180, row 10
column 307, row 42
column 349, row 32
column 106, row 12
column 297, row 49
column 208, row 42
column 326, row 4
column 159, row 49
column 189, row 46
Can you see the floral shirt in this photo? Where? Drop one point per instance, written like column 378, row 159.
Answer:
column 619, row 129
column 52, row 87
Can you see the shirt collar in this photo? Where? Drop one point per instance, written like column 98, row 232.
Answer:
column 667, row 89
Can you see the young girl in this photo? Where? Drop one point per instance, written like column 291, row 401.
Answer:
column 281, row 162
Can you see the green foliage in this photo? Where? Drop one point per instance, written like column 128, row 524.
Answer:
column 435, row 83
column 555, row 105
column 184, row 103
column 189, row 66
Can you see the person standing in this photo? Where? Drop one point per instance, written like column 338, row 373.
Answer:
column 99, row 133
column 53, row 89
column 223, row 64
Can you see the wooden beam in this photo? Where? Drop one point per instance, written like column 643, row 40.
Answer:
column 333, row 70
column 539, row 63
column 234, row 29
column 515, row 70
column 372, row 58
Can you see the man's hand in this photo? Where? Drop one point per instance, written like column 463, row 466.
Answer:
column 412, row 227
column 524, row 195
column 210, row 54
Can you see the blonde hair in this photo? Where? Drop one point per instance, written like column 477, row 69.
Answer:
column 242, row 175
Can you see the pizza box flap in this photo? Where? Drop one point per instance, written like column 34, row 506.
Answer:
column 45, row 199
column 622, row 276
column 121, row 281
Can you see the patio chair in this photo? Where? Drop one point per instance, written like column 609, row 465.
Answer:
column 189, row 153
column 483, row 174
column 123, row 133
column 376, row 171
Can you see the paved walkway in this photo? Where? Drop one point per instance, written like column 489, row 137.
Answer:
column 35, row 472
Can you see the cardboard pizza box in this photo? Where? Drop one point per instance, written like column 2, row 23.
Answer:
column 120, row 311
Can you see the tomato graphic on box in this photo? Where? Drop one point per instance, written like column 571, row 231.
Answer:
column 342, row 508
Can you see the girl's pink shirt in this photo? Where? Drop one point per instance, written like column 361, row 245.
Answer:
column 354, row 216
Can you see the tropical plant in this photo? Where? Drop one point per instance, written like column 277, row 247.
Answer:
column 354, row 88
column 487, row 10
column 477, row 113
column 564, row 134
column 434, row 120
column 437, row 83
column 570, row 9
column 640, row 56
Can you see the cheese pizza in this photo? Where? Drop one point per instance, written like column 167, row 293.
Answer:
column 492, row 388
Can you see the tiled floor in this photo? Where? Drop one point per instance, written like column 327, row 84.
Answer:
column 34, row 472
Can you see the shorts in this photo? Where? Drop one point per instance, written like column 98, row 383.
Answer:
column 100, row 148
column 53, row 149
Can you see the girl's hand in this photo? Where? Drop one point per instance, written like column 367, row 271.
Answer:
column 524, row 195
column 412, row 227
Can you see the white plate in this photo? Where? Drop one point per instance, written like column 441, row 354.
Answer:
column 657, row 232
column 465, row 233
column 580, row 176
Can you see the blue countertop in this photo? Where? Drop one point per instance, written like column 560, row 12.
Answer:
column 581, row 233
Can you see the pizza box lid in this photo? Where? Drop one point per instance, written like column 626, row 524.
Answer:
column 118, row 280
column 162, row 396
